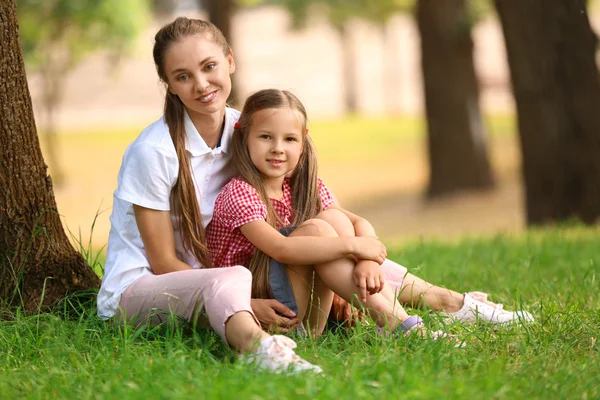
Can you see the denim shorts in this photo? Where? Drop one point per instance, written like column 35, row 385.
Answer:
column 281, row 289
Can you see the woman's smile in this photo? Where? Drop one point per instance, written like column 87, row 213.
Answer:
column 207, row 98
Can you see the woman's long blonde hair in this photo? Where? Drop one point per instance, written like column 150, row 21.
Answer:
column 184, row 201
column 306, row 201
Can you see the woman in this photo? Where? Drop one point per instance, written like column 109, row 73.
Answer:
column 168, row 182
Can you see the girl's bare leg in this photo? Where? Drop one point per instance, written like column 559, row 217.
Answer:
column 416, row 292
column 382, row 306
column 301, row 280
column 337, row 276
column 320, row 306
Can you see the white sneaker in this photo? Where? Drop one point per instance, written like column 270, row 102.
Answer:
column 276, row 354
column 478, row 308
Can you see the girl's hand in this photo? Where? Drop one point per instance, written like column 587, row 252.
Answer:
column 368, row 277
column 273, row 315
column 369, row 248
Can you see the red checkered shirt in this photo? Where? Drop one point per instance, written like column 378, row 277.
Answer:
column 238, row 204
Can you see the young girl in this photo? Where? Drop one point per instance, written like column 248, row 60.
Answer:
column 168, row 182
column 276, row 194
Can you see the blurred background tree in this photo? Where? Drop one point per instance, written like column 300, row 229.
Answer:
column 163, row 8
column 57, row 34
column 457, row 137
column 552, row 57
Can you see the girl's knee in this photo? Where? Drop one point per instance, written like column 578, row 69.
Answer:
column 316, row 227
column 338, row 220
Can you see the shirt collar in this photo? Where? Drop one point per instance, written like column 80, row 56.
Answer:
column 197, row 146
column 194, row 142
column 230, row 119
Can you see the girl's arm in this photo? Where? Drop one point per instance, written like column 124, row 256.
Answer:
column 367, row 275
column 158, row 237
column 308, row 250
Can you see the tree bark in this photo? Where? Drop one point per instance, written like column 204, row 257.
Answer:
column 551, row 53
column 220, row 13
column 38, row 265
column 457, row 149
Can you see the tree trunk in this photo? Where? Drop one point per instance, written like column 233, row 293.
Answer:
column 458, row 156
column 220, row 13
column 38, row 265
column 551, row 50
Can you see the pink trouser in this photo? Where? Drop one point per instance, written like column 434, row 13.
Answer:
column 394, row 275
column 193, row 295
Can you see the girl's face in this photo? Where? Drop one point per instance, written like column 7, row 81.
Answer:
column 275, row 141
column 199, row 74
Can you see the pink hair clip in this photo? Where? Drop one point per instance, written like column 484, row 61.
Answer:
column 237, row 125
column 307, row 131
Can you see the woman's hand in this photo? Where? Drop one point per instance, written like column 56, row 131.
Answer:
column 369, row 248
column 273, row 315
column 368, row 277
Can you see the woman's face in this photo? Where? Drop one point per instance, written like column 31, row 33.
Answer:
column 198, row 73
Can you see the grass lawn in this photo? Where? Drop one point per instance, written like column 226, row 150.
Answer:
column 551, row 273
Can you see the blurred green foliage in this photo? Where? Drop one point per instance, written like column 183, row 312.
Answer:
column 67, row 30
column 339, row 11
column 376, row 11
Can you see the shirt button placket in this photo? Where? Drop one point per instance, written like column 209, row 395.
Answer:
column 210, row 162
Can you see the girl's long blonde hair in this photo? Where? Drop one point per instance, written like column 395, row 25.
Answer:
column 306, row 201
column 184, row 201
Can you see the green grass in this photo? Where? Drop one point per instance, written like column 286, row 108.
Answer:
column 552, row 273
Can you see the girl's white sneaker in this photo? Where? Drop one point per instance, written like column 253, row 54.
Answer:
column 478, row 308
column 276, row 354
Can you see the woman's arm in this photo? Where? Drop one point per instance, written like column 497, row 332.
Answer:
column 158, row 237
column 308, row 250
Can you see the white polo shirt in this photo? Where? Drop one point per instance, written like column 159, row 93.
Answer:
column 148, row 173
